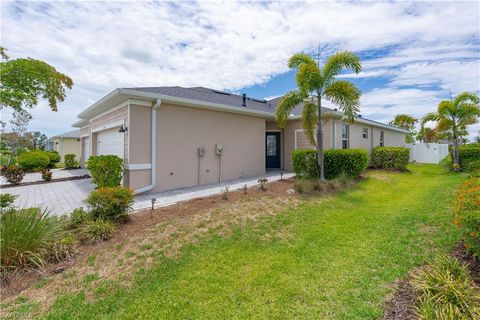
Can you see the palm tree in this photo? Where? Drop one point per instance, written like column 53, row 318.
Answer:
column 453, row 117
column 405, row 122
column 315, row 83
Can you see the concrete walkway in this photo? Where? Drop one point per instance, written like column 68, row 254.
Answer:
column 63, row 197
column 56, row 174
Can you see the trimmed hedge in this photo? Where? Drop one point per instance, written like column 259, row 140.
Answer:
column 106, row 171
column 390, row 157
column 54, row 156
column 349, row 162
column 468, row 153
column 34, row 160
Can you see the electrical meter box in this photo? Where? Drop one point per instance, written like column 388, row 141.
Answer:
column 201, row 151
column 218, row 149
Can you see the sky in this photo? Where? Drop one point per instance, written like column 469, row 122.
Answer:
column 413, row 53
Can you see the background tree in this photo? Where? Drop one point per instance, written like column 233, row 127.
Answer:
column 315, row 83
column 17, row 139
column 427, row 135
column 453, row 117
column 405, row 122
column 39, row 140
column 23, row 81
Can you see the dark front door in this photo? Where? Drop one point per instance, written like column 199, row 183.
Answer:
column 272, row 148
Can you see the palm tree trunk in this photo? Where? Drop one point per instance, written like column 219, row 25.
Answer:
column 321, row 167
column 456, row 158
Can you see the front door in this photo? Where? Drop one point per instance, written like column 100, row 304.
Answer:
column 272, row 147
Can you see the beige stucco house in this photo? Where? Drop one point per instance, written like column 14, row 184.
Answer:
column 67, row 143
column 173, row 137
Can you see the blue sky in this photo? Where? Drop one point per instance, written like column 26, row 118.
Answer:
column 413, row 53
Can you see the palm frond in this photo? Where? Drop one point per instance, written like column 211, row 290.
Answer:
column 309, row 78
column 466, row 97
column 300, row 58
column 286, row 105
column 432, row 116
column 346, row 96
column 309, row 120
column 339, row 61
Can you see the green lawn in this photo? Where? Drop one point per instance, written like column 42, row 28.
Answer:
column 331, row 259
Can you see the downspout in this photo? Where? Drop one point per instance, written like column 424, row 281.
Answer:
column 154, row 150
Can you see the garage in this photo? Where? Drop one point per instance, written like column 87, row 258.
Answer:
column 110, row 142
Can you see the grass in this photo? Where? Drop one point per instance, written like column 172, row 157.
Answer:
column 333, row 258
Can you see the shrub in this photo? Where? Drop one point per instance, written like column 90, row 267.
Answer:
column 350, row 162
column 13, row 174
column 467, row 154
column 106, row 171
column 445, row 291
column 473, row 165
column 263, row 183
column 78, row 217
column 28, row 237
column 46, row 174
column 225, row 193
column 466, row 205
column 70, row 162
column 6, row 202
column 110, row 203
column 390, row 158
column 53, row 156
column 34, row 161
column 93, row 231
column 304, row 185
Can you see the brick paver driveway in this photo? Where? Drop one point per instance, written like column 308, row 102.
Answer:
column 63, row 197
column 56, row 174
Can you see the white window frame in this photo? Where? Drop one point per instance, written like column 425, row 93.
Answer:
column 365, row 133
column 347, row 139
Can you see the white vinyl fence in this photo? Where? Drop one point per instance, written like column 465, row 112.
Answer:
column 427, row 152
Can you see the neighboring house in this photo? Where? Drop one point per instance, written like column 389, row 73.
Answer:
column 173, row 137
column 66, row 143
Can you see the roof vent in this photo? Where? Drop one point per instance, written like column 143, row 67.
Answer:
column 244, row 100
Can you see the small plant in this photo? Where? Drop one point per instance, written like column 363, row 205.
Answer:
column 70, row 162
column 78, row 217
column 110, row 203
column 13, row 174
column 34, row 160
column 28, row 237
column 94, row 231
column 445, row 291
column 319, row 185
column 245, row 189
column 106, row 171
column 304, row 186
column 263, row 183
column 225, row 193
column 46, row 174
column 6, row 202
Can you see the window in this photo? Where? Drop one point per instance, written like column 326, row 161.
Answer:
column 365, row 133
column 382, row 138
column 345, row 136
column 271, row 146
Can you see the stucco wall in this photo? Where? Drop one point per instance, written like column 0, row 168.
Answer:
column 140, row 131
column 67, row 146
column 181, row 130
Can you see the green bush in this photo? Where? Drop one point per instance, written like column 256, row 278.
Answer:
column 34, row 160
column 70, row 161
column 473, row 166
column 54, row 157
column 445, row 291
column 93, row 231
column 28, row 238
column 106, row 171
column 13, row 174
column 349, row 162
column 110, row 203
column 6, row 202
column 390, row 157
column 467, row 154
column 78, row 217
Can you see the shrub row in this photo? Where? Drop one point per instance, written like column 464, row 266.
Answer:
column 348, row 162
column 38, row 160
column 468, row 154
column 390, row 158
column 466, row 206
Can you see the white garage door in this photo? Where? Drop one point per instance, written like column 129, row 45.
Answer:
column 86, row 150
column 110, row 142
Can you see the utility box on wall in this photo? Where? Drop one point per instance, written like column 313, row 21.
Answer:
column 200, row 151
column 218, row 149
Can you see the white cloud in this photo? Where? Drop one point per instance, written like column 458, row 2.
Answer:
column 230, row 45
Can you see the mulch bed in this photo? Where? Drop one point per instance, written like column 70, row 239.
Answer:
column 4, row 186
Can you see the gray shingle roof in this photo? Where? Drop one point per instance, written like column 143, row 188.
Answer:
column 210, row 95
column 71, row 134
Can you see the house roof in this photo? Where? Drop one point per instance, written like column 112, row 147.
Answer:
column 206, row 98
column 75, row 134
